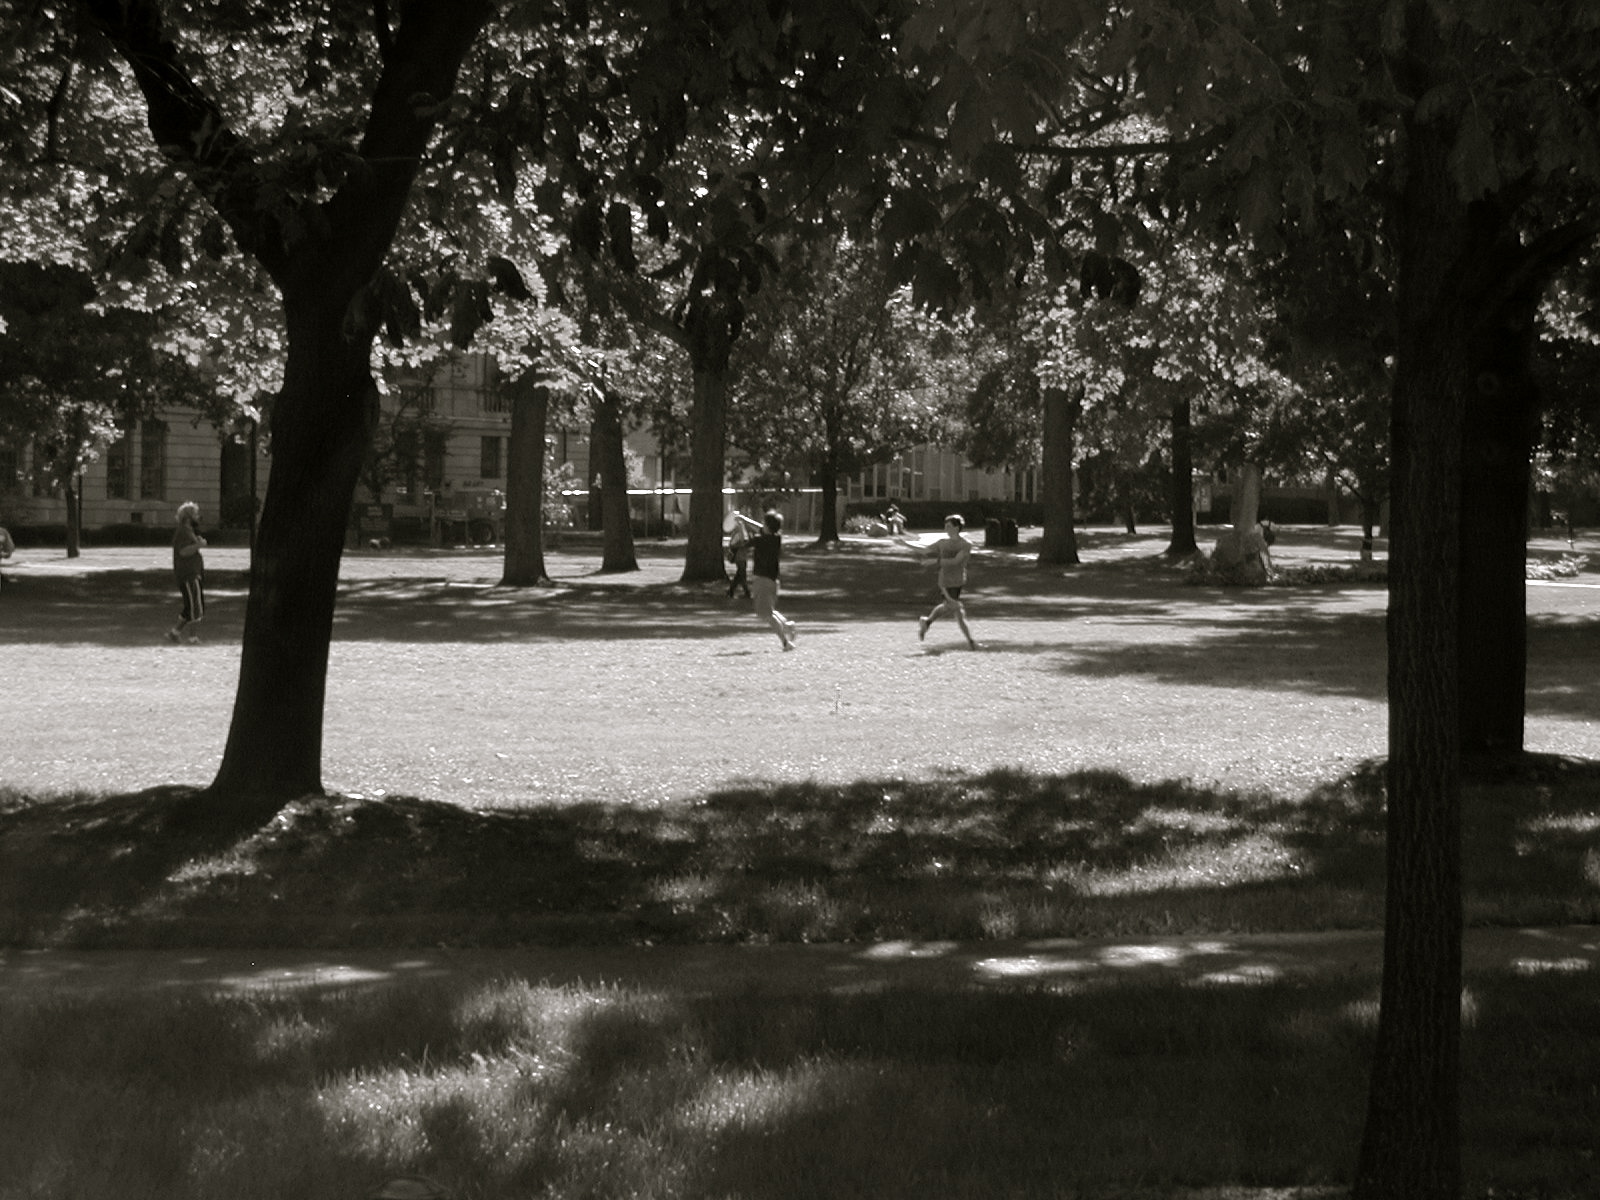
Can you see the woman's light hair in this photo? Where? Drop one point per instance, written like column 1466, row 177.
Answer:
column 189, row 510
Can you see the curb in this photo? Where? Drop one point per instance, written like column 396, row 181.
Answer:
column 1065, row 964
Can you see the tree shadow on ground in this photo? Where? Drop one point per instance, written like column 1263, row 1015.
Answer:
column 1002, row 854
column 134, row 607
column 1296, row 648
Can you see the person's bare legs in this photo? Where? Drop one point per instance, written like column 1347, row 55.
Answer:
column 764, row 595
column 961, row 620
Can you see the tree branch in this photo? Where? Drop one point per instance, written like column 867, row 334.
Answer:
column 380, row 23
column 58, row 99
column 187, row 124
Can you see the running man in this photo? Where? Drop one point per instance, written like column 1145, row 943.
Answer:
column 189, row 566
column 952, row 551
column 766, row 548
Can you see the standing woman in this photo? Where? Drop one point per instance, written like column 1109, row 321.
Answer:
column 189, row 566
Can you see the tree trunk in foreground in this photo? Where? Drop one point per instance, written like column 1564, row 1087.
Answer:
column 1411, row 1143
column 321, row 424
column 1058, row 545
column 323, row 419
column 530, row 413
column 1497, row 450
column 616, row 519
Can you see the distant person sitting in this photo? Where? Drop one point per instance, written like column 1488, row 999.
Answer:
column 895, row 520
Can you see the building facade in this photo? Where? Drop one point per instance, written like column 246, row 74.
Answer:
column 140, row 478
column 446, row 439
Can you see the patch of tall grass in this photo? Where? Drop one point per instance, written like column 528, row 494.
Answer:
column 511, row 1089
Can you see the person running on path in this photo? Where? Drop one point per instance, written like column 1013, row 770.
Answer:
column 952, row 551
column 189, row 566
column 766, row 548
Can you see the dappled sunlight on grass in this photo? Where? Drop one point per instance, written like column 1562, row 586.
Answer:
column 510, row 1088
column 1253, row 858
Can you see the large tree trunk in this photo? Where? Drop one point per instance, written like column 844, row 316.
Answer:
column 321, row 424
column 711, row 345
column 828, row 478
column 1497, row 449
column 530, row 412
column 1411, row 1146
column 828, row 531
column 321, row 257
column 616, row 519
column 1058, row 544
column 1182, row 483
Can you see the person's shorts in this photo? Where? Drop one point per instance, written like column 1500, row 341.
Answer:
column 953, row 592
column 763, row 594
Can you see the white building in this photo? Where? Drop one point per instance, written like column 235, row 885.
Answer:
column 461, row 420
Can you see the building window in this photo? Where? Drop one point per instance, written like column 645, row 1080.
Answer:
column 153, row 460
column 119, row 466
column 489, row 466
column 418, row 398
column 493, row 395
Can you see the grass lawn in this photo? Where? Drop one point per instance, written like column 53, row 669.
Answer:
column 622, row 760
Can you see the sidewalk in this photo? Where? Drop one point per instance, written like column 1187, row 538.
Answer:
column 1054, row 963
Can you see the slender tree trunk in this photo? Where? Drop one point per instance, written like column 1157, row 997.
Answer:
column 1058, row 544
column 530, row 412
column 74, row 497
column 321, row 423
column 1411, row 1143
column 1182, row 483
column 1370, row 512
column 1497, row 450
column 615, row 517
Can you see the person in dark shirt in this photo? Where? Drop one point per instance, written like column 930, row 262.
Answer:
column 766, row 549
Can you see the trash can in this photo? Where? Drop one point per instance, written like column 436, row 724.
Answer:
column 991, row 532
